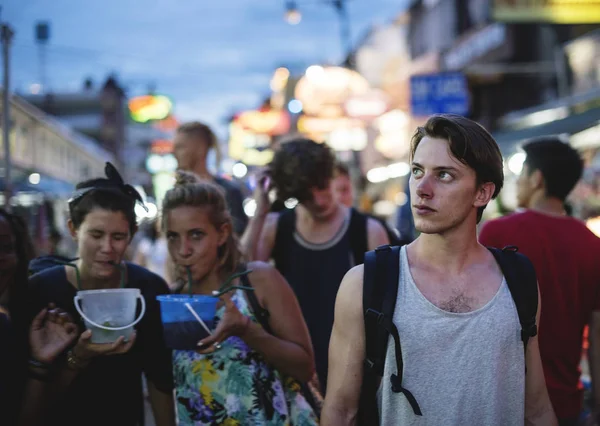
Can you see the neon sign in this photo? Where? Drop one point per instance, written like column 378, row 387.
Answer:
column 150, row 107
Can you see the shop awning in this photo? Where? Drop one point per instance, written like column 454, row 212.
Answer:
column 509, row 140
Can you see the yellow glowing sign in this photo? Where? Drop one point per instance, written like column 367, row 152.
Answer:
column 311, row 125
column 554, row 11
column 248, row 147
column 150, row 107
column 264, row 122
column 323, row 87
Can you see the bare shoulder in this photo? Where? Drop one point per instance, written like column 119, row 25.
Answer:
column 349, row 297
column 261, row 271
column 377, row 234
column 373, row 225
column 265, row 278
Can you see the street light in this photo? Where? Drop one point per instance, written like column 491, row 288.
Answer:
column 293, row 16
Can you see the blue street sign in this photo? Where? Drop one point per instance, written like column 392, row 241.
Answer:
column 445, row 93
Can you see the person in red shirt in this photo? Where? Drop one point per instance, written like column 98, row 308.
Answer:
column 565, row 254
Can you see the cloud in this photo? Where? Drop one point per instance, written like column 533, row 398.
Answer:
column 210, row 57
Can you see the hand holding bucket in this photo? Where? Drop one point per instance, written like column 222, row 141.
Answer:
column 110, row 313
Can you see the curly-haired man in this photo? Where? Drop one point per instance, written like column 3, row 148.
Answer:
column 314, row 244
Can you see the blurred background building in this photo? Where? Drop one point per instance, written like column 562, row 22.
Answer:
column 520, row 68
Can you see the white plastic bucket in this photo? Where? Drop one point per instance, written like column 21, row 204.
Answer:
column 109, row 314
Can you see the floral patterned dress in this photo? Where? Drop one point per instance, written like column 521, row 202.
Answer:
column 235, row 386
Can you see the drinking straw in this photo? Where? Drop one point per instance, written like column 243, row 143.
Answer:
column 227, row 287
column 187, row 305
column 72, row 265
column 189, row 277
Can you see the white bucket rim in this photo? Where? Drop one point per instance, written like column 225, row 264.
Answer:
column 138, row 295
column 110, row 290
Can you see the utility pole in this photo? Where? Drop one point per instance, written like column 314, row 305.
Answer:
column 345, row 37
column 6, row 35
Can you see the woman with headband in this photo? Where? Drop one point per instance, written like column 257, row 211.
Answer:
column 247, row 372
column 100, row 384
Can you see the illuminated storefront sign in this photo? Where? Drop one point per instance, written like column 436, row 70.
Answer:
column 161, row 147
column 552, row 11
column 394, row 134
column 264, row 122
column 150, row 107
column 324, row 90
column 367, row 106
column 168, row 124
column 314, row 125
column 247, row 147
column 353, row 139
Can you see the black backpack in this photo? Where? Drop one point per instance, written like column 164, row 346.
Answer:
column 380, row 290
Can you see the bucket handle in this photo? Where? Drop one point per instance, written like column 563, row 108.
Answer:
column 77, row 298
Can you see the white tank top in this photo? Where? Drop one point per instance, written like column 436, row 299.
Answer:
column 463, row 368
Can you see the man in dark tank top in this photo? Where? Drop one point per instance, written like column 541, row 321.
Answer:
column 314, row 244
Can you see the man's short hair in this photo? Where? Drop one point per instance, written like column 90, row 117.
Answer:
column 470, row 143
column 300, row 165
column 341, row 169
column 199, row 130
column 560, row 164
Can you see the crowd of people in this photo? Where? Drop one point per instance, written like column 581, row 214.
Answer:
column 335, row 318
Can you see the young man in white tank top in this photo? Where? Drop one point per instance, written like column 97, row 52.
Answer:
column 462, row 352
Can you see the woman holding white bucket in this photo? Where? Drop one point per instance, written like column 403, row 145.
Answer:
column 98, row 380
column 240, row 373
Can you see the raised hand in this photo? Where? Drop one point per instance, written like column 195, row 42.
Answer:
column 261, row 193
column 50, row 334
column 233, row 323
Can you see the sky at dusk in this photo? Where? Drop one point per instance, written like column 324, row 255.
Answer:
column 211, row 57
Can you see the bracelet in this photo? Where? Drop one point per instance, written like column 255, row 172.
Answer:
column 39, row 364
column 42, row 377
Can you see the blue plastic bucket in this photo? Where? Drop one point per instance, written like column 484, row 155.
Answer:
column 182, row 330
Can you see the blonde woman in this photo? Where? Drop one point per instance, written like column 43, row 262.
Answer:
column 239, row 374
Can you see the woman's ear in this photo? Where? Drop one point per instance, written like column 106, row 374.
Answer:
column 224, row 233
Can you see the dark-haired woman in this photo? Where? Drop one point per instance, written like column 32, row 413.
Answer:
column 16, row 251
column 100, row 384
column 48, row 335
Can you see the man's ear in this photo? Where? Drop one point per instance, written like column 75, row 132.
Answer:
column 72, row 229
column 484, row 195
column 536, row 179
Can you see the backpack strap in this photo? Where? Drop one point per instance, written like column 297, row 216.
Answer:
column 522, row 283
column 286, row 226
column 380, row 292
column 358, row 234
